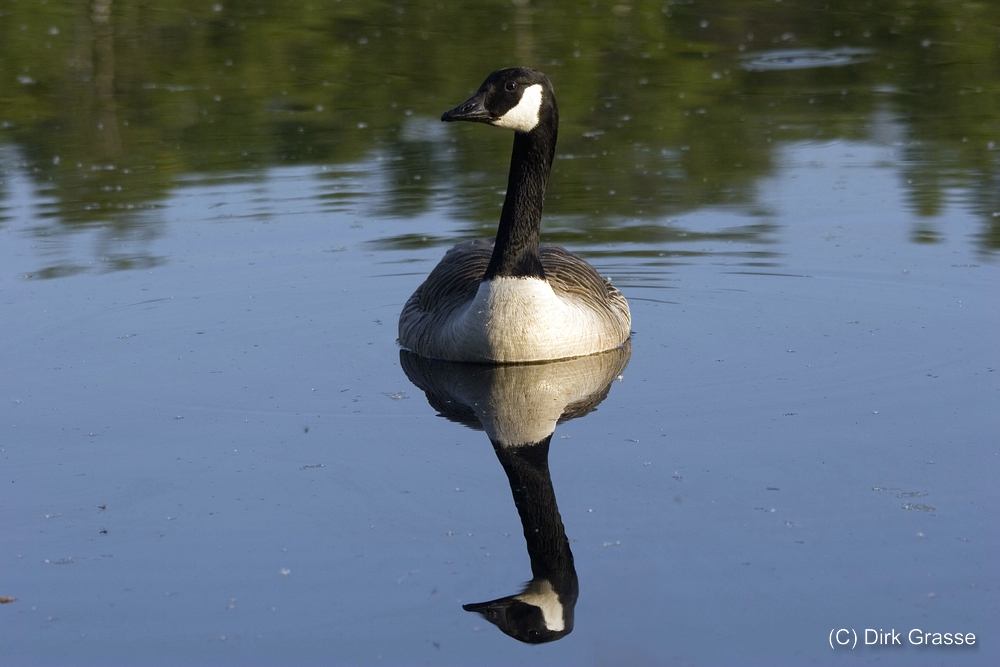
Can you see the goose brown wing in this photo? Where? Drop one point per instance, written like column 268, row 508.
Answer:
column 452, row 284
column 577, row 281
column 455, row 279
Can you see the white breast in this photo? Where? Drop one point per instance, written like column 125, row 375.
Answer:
column 521, row 319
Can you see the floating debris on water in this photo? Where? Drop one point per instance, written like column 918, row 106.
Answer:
column 918, row 507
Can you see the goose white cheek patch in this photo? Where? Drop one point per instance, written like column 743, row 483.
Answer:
column 523, row 117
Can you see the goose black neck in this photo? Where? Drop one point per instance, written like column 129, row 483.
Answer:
column 516, row 251
column 527, row 469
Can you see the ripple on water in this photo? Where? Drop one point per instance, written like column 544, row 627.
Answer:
column 793, row 59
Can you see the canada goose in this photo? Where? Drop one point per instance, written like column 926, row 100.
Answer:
column 512, row 299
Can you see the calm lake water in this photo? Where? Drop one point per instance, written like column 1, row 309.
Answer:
column 212, row 451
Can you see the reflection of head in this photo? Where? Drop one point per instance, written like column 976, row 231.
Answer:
column 543, row 611
column 537, row 615
column 519, row 406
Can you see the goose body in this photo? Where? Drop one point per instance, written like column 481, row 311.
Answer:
column 513, row 299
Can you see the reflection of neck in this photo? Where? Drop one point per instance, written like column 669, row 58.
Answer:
column 527, row 468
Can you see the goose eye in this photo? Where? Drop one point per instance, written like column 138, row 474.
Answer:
column 510, row 86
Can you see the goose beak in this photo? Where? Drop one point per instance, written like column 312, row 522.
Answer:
column 472, row 109
column 492, row 611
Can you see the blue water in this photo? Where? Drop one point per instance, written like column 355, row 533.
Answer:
column 215, row 457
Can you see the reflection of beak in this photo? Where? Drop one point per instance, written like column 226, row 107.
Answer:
column 472, row 109
column 492, row 611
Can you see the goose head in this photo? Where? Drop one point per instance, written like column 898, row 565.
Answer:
column 537, row 615
column 516, row 98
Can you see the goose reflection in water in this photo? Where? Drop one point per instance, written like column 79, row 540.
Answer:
column 519, row 407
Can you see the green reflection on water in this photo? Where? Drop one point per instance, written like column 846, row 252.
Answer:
column 664, row 105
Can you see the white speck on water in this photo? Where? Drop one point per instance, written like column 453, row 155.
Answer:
column 285, row 572
column 406, row 576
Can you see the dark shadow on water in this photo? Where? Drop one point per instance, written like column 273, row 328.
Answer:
column 519, row 406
